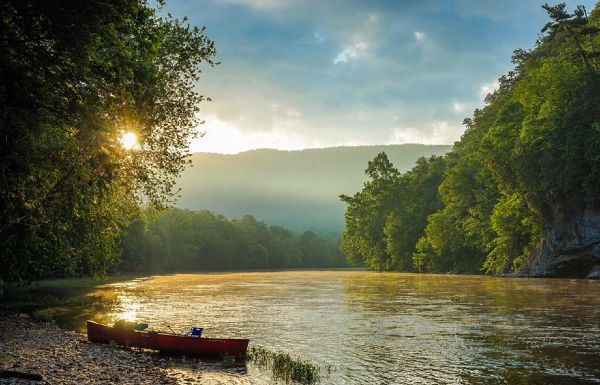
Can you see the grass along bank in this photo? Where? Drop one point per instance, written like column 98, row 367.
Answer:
column 286, row 367
column 68, row 301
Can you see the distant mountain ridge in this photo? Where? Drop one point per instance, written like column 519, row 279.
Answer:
column 295, row 189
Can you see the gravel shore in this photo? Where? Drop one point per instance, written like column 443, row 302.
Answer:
column 66, row 357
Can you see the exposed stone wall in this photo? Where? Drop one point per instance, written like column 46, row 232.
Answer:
column 571, row 248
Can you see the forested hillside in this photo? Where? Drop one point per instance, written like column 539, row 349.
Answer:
column 519, row 192
column 177, row 240
column 294, row 189
column 99, row 104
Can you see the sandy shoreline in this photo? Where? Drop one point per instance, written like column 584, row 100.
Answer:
column 66, row 357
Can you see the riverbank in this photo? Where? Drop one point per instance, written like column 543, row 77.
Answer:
column 66, row 357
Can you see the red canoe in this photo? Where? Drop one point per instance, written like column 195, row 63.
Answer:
column 168, row 343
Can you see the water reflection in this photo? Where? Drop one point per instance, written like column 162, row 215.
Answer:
column 127, row 309
column 489, row 330
column 384, row 328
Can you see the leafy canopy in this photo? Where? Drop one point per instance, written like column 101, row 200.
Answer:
column 76, row 75
column 528, row 162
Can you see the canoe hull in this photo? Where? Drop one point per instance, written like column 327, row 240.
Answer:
column 168, row 343
column 103, row 334
column 205, row 347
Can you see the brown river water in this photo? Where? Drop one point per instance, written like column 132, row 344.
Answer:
column 383, row 328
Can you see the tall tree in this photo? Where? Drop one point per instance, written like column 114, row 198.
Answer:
column 363, row 237
column 76, row 75
column 520, row 190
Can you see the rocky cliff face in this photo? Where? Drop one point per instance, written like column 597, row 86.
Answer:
column 572, row 247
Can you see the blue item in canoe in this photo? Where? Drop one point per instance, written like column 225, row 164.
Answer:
column 196, row 332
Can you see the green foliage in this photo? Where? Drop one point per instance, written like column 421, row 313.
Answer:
column 528, row 160
column 418, row 192
column 5, row 360
column 385, row 220
column 363, row 238
column 516, row 232
column 45, row 315
column 229, row 361
column 457, row 236
column 294, row 189
column 177, row 240
column 76, row 75
column 286, row 367
column 69, row 301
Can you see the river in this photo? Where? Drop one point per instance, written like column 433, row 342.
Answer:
column 383, row 328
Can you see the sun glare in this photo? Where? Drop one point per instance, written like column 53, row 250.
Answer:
column 128, row 140
column 129, row 310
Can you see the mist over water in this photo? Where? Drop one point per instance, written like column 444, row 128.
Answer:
column 385, row 328
column 298, row 190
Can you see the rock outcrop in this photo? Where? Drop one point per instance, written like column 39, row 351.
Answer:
column 571, row 247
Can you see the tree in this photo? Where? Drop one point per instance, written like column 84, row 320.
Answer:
column 576, row 26
column 417, row 197
column 75, row 76
column 363, row 237
column 385, row 220
column 175, row 240
column 522, row 181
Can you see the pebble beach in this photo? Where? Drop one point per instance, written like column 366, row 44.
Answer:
column 59, row 356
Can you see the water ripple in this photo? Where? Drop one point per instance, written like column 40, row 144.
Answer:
column 385, row 328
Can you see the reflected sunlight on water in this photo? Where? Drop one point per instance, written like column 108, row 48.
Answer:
column 127, row 309
column 384, row 328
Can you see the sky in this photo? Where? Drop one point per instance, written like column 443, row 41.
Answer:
column 300, row 74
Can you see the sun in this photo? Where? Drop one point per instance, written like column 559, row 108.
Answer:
column 128, row 140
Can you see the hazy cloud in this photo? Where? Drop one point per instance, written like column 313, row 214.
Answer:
column 230, row 139
column 351, row 52
column 307, row 73
column 319, row 37
column 434, row 133
column 267, row 4
column 459, row 107
column 488, row 88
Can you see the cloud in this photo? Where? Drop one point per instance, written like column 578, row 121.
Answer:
column 444, row 132
column 264, row 4
column 436, row 132
column 459, row 107
column 279, row 110
column 319, row 37
column 352, row 52
column 488, row 88
column 494, row 10
column 227, row 138
column 366, row 33
column 423, row 67
column 292, row 113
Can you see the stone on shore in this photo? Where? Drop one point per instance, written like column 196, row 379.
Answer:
column 66, row 357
